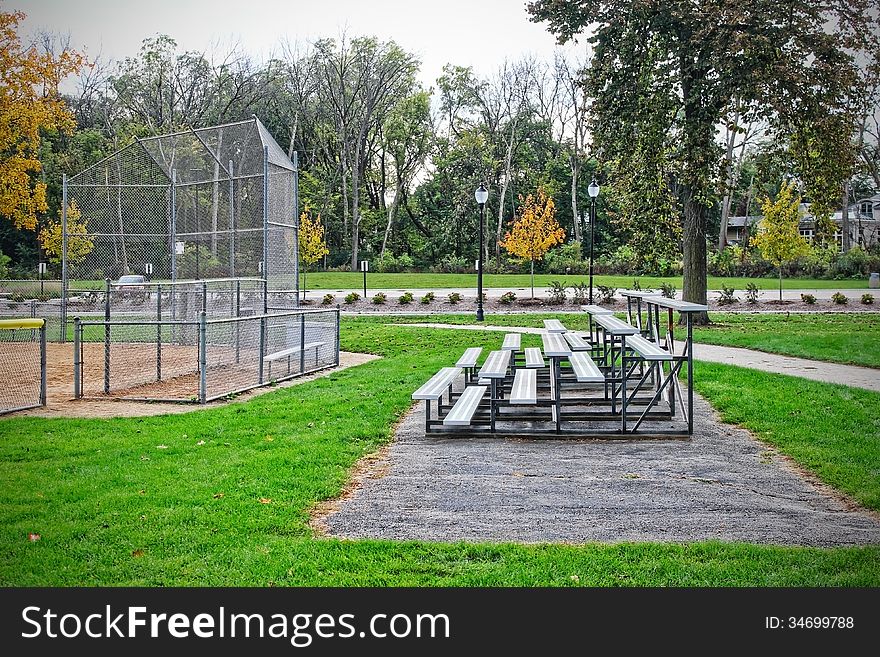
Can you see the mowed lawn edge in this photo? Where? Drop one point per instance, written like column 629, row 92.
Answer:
column 222, row 497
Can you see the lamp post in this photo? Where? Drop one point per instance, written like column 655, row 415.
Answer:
column 593, row 190
column 482, row 195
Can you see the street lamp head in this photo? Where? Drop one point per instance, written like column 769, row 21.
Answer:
column 593, row 189
column 482, row 194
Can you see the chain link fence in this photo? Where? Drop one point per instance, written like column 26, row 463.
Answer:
column 33, row 299
column 22, row 364
column 211, row 203
column 202, row 360
column 181, row 300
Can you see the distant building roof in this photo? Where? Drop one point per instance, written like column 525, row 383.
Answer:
column 740, row 221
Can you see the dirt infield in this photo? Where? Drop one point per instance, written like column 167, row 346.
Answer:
column 137, row 362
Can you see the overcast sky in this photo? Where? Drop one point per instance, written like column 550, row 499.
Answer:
column 478, row 33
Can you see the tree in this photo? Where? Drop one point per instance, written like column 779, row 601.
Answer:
column 361, row 81
column 79, row 243
column 778, row 237
column 639, row 183
column 312, row 246
column 29, row 103
column 678, row 66
column 409, row 136
column 535, row 230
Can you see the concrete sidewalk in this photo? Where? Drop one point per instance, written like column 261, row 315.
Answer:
column 815, row 370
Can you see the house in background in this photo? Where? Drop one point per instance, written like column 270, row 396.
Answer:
column 864, row 224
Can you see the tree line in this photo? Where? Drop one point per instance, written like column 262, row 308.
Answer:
column 684, row 112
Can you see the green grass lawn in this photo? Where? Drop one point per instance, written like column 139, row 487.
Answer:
column 375, row 281
column 831, row 430
column 221, row 496
column 840, row 338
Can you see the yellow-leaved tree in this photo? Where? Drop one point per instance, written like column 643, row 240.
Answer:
column 312, row 246
column 535, row 230
column 778, row 238
column 29, row 102
column 79, row 243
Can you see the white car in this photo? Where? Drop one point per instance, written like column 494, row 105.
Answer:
column 132, row 286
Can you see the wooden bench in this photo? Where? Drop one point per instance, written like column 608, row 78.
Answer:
column 646, row 349
column 463, row 410
column 525, row 387
column 577, row 342
column 288, row 353
column 554, row 326
column 585, row 370
column 534, row 357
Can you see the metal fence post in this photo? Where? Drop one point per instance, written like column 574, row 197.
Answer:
column 77, row 358
column 296, row 227
column 302, row 343
column 337, row 334
column 265, row 296
column 204, row 297
column 203, row 359
column 266, row 212
column 33, row 308
column 159, row 332
column 231, row 221
column 237, row 324
column 107, row 335
column 64, row 271
column 43, row 364
column 173, row 227
column 262, row 344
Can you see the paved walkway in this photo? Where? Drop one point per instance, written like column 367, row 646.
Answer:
column 721, row 485
column 816, row 370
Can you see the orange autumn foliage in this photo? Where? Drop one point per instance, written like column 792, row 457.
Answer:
column 29, row 102
column 535, row 230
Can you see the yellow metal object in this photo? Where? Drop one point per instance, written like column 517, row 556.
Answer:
column 25, row 323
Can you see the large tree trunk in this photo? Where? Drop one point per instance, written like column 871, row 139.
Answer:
column 697, row 141
column 694, row 253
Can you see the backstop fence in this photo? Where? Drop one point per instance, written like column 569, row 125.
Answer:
column 199, row 360
column 22, row 364
column 209, row 203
